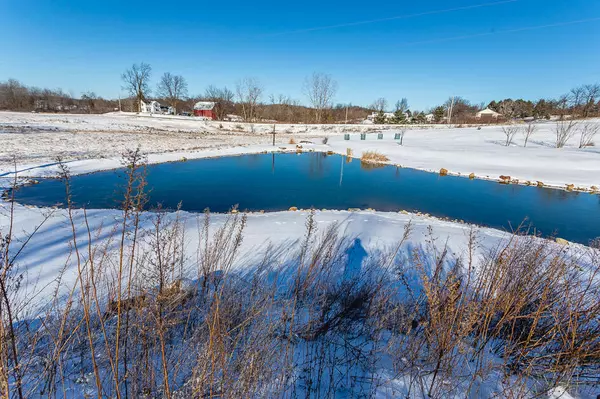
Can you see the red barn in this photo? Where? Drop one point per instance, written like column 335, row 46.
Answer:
column 205, row 109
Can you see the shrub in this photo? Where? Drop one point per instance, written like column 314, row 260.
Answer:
column 373, row 157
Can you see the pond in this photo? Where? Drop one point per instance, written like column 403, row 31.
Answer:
column 274, row 182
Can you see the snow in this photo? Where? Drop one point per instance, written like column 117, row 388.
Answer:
column 49, row 249
column 94, row 142
column 37, row 139
column 482, row 152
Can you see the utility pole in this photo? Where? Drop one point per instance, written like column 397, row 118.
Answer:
column 450, row 111
column 346, row 114
column 120, row 102
column 273, row 135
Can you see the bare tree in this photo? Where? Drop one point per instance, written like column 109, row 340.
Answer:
column 402, row 105
column 223, row 99
column 320, row 89
column 576, row 97
column 564, row 131
column 591, row 96
column 528, row 131
column 248, row 91
column 136, row 81
column 89, row 98
column 562, row 105
column 402, row 133
column 509, row 132
column 172, row 88
column 582, row 99
column 380, row 104
column 588, row 132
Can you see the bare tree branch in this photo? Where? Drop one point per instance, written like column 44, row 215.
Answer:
column 320, row 89
column 136, row 81
column 173, row 88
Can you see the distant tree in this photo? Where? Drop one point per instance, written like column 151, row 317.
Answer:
column 402, row 105
column 320, row 89
column 380, row 118
column 438, row 114
column 223, row 99
column 13, row 95
column 420, row 117
column 136, row 81
column 583, row 99
column 249, row 90
column 592, row 98
column 172, row 88
column 399, row 117
column 542, row 109
column 379, row 105
column 562, row 105
column 460, row 108
column 89, row 98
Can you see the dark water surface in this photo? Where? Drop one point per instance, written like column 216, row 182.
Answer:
column 273, row 182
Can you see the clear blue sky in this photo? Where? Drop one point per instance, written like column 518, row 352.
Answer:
column 86, row 45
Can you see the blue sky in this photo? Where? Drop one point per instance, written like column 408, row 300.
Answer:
column 478, row 52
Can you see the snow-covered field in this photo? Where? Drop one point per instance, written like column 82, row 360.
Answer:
column 37, row 139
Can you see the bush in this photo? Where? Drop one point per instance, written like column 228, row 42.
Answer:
column 373, row 157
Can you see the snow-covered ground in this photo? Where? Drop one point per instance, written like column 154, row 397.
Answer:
column 94, row 142
column 482, row 152
column 37, row 139
column 49, row 250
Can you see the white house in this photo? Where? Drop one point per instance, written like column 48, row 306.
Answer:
column 487, row 113
column 387, row 115
column 153, row 107
column 429, row 118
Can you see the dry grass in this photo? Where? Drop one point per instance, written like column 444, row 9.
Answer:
column 373, row 157
column 292, row 141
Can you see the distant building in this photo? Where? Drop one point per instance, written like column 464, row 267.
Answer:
column 387, row 115
column 167, row 110
column 233, row 118
column 152, row 107
column 205, row 109
column 429, row 118
column 488, row 114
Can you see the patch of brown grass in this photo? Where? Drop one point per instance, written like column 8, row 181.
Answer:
column 373, row 157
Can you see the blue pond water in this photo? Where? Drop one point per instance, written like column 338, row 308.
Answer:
column 273, row 182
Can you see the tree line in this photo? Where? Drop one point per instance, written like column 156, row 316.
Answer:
column 247, row 101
